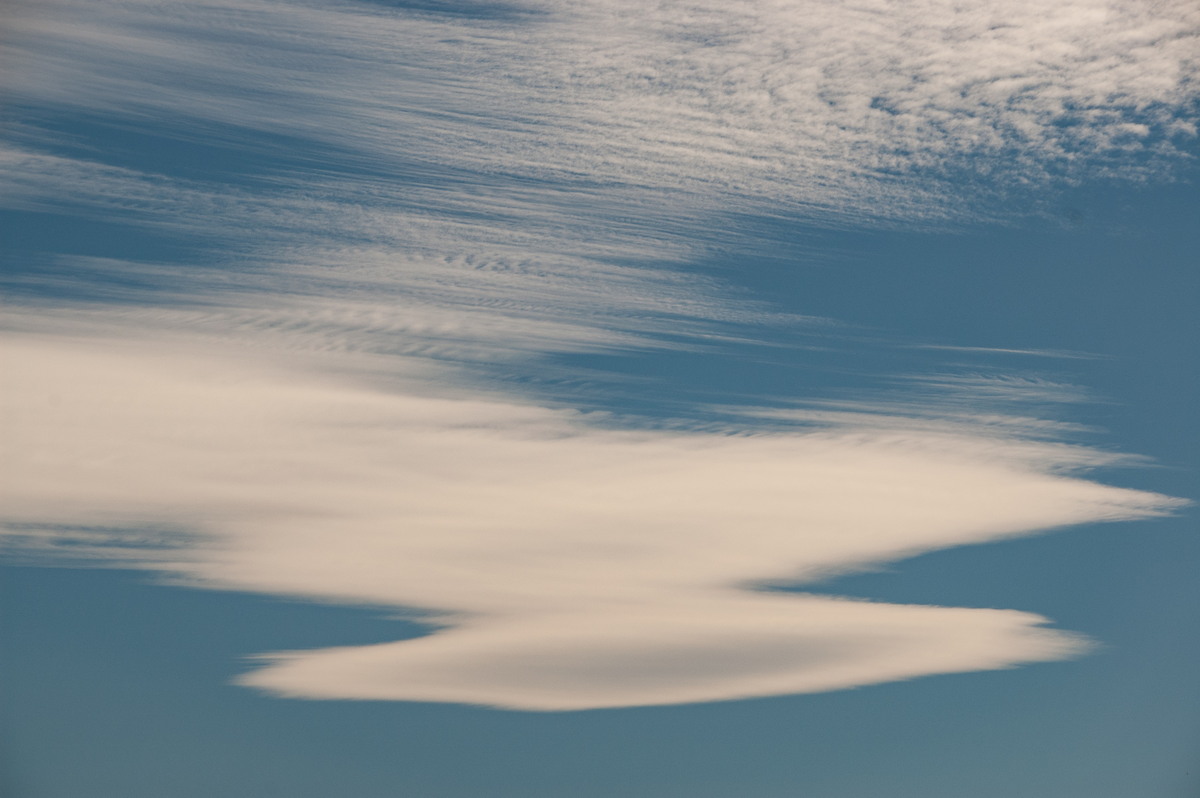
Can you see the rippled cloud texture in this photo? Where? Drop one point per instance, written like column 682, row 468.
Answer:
column 424, row 194
column 816, row 102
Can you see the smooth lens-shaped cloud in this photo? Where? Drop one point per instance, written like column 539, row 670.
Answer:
column 571, row 565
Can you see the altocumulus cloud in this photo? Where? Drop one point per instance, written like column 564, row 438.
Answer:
column 811, row 105
column 494, row 186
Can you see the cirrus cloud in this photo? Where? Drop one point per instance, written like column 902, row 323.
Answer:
column 871, row 111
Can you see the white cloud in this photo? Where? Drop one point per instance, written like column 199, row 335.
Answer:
column 483, row 187
column 696, row 648
column 876, row 110
column 572, row 564
column 470, row 189
column 405, row 273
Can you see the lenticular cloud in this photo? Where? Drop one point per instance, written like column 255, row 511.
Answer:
column 567, row 565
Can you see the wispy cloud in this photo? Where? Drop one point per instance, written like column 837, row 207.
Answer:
column 859, row 110
column 511, row 165
column 561, row 154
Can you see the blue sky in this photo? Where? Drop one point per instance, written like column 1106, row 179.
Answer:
column 560, row 398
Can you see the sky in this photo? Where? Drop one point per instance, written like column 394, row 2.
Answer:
column 558, row 398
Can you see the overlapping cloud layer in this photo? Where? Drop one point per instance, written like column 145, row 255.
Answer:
column 424, row 187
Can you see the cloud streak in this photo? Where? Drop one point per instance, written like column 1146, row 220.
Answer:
column 544, row 172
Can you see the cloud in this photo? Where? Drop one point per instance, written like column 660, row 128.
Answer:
column 697, row 648
column 882, row 110
column 405, row 273
column 568, row 563
column 494, row 183
column 414, row 190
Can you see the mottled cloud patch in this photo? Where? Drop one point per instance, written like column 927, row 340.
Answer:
column 876, row 110
column 567, row 564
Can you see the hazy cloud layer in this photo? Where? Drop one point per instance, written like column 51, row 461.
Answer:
column 572, row 565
